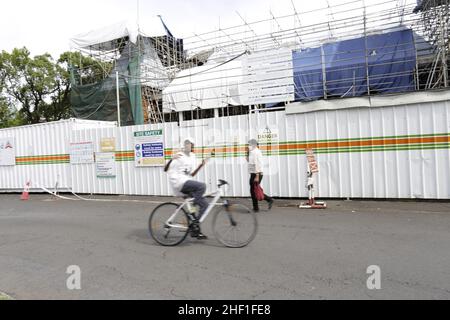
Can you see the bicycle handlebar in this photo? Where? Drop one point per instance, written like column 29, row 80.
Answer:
column 222, row 183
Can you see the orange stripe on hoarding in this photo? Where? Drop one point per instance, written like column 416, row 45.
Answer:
column 365, row 143
column 36, row 159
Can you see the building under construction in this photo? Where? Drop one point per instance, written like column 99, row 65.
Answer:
column 361, row 84
column 135, row 67
column 339, row 50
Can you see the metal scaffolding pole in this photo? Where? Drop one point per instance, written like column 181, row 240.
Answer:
column 118, row 98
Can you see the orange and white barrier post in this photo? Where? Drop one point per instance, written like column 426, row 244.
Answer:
column 26, row 192
column 312, row 168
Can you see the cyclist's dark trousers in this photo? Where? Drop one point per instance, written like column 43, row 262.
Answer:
column 196, row 190
column 252, row 191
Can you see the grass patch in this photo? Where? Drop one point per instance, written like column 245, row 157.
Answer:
column 4, row 296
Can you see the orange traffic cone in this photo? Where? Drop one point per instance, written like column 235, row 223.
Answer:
column 26, row 192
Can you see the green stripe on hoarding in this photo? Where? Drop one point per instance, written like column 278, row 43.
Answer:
column 126, row 156
column 423, row 146
column 369, row 138
column 40, row 162
column 370, row 149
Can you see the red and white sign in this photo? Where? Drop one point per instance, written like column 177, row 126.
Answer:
column 312, row 163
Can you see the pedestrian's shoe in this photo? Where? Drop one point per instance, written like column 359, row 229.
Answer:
column 270, row 204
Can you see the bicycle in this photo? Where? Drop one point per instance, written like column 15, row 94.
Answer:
column 170, row 223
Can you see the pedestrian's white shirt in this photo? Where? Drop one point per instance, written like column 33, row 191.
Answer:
column 180, row 170
column 255, row 161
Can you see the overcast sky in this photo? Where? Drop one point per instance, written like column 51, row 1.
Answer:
column 47, row 25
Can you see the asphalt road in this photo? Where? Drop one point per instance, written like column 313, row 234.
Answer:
column 297, row 254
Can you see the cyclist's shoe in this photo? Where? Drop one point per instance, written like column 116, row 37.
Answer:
column 198, row 235
column 201, row 236
column 195, row 229
column 196, row 232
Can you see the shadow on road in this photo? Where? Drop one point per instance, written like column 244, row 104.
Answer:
column 142, row 236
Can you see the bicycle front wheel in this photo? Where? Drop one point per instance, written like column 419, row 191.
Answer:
column 165, row 232
column 235, row 226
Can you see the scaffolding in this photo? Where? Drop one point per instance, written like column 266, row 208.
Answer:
column 435, row 20
column 144, row 65
column 205, row 71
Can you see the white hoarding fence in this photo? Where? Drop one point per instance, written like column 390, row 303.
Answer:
column 42, row 154
column 385, row 152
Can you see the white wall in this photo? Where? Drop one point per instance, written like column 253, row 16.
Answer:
column 413, row 170
column 404, row 169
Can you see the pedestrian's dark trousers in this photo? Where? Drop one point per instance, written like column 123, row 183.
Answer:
column 196, row 190
column 252, row 191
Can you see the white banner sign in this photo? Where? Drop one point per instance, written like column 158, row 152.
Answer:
column 81, row 153
column 149, row 148
column 7, row 152
column 105, row 164
column 268, row 77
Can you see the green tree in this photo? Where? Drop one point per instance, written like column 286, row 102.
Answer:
column 9, row 117
column 30, row 82
column 83, row 69
column 40, row 87
column 5, row 114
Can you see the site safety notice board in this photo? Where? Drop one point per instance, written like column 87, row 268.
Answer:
column 149, row 148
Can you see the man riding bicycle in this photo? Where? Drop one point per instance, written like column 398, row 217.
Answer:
column 181, row 171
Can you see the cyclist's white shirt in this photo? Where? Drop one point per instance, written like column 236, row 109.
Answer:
column 180, row 170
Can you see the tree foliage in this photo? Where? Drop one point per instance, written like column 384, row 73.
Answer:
column 37, row 89
column 30, row 82
column 84, row 69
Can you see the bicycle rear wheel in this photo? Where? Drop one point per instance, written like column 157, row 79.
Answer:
column 235, row 226
column 164, row 233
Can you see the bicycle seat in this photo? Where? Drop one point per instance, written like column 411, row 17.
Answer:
column 222, row 183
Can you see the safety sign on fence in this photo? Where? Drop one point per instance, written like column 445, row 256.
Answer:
column 81, row 153
column 312, row 163
column 149, row 148
column 105, row 164
column 108, row 145
column 269, row 139
column 7, row 152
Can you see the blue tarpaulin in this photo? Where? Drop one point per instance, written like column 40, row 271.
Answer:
column 391, row 59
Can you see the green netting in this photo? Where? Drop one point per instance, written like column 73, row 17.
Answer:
column 98, row 101
column 134, row 87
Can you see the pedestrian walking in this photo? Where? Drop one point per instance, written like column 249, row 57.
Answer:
column 255, row 168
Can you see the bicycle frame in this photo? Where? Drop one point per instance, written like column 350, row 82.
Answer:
column 217, row 195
